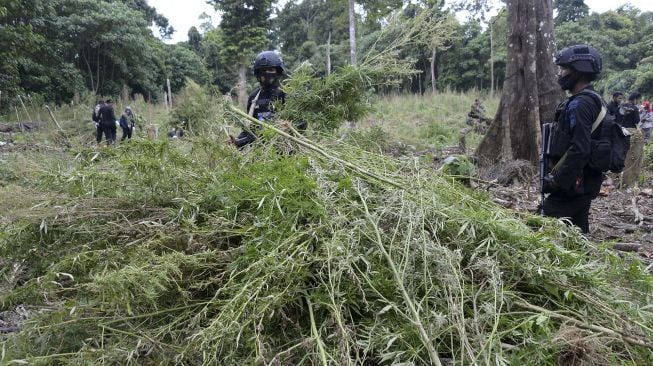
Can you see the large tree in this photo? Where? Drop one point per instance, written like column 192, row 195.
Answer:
column 570, row 10
column 530, row 91
column 247, row 24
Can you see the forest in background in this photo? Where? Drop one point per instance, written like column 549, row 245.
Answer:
column 58, row 49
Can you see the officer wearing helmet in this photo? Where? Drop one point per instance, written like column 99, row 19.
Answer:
column 571, row 183
column 268, row 69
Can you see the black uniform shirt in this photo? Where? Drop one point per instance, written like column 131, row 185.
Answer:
column 576, row 121
column 107, row 115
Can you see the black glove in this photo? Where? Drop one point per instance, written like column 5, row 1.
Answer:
column 549, row 184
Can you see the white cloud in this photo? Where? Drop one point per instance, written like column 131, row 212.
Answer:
column 601, row 6
column 182, row 15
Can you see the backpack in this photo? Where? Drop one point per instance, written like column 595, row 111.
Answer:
column 610, row 145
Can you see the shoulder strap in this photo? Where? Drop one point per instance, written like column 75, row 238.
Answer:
column 604, row 109
column 253, row 105
column 602, row 114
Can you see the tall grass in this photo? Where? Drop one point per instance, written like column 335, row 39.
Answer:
column 429, row 120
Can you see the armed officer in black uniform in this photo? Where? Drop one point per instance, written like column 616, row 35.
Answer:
column 572, row 184
column 268, row 69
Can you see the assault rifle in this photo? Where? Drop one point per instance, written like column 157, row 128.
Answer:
column 546, row 143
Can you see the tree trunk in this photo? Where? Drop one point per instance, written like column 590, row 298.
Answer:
column 169, row 93
column 433, row 54
column 90, row 73
column 530, row 91
column 491, row 62
column 242, row 85
column 328, row 55
column 633, row 163
column 352, row 32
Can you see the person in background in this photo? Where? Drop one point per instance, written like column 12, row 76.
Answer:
column 107, row 122
column 617, row 99
column 646, row 120
column 628, row 113
column 127, row 124
column 96, row 118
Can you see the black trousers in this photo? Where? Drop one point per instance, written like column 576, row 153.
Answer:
column 109, row 131
column 576, row 209
column 126, row 133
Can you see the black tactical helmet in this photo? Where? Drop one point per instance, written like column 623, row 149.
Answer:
column 581, row 57
column 267, row 59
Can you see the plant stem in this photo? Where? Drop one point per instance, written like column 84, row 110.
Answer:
column 433, row 354
column 320, row 346
column 592, row 327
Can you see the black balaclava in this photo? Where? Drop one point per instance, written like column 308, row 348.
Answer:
column 269, row 80
column 568, row 81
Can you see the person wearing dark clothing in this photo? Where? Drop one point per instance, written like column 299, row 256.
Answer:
column 96, row 118
column 261, row 103
column 268, row 69
column 628, row 112
column 571, row 183
column 646, row 119
column 108, row 122
column 127, row 124
column 617, row 99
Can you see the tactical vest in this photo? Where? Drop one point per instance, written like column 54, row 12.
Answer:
column 263, row 102
column 562, row 130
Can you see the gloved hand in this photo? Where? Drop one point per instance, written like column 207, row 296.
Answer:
column 97, row 125
column 549, row 184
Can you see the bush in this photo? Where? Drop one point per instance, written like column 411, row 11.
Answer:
column 195, row 108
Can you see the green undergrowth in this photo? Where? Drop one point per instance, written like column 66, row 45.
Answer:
column 189, row 252
column 429, row 120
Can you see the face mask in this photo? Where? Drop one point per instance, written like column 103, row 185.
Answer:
column 568, row 81
column 269, row 79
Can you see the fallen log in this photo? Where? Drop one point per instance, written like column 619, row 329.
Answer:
column 9, row 329
column 5, row 127
column 627, row 247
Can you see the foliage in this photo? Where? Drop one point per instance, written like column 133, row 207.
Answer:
column 326, row 103
column 223, row 72
column 623, row 37
column 246, row 23
column 156, row 252
column 570, row 10
column 60, row 48
column 183, row 64
column 196, row 108
column 459, row 166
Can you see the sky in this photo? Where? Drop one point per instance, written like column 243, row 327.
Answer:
column 185, row 13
